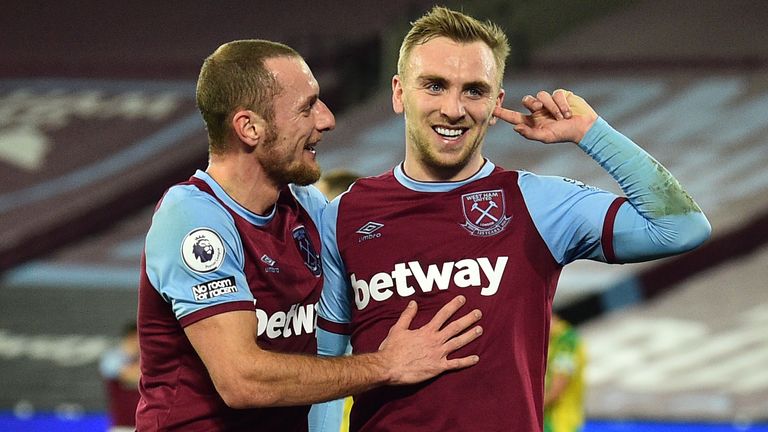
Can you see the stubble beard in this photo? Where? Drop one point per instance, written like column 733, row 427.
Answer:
column 431, row 160
column 283, row 169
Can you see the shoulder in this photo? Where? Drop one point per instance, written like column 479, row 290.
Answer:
column 504, row 175
column 186, row 213
column 364, row 191
column 190, row 203
column 364, row 184
column 310, row 198
column 538, row 180
column 550, row 190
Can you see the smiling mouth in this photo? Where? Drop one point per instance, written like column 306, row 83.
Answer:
column 311, row 148
column 449, row 133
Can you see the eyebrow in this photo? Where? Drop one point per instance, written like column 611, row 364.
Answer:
column 423, row 79
column 482, row 85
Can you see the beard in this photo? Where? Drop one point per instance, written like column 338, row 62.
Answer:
column 282, row 166
column 433, row 160
column 301, row 175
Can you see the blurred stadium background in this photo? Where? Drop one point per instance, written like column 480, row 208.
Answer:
column 97, row 118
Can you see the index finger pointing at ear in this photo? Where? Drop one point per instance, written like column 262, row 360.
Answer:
column 509, row 116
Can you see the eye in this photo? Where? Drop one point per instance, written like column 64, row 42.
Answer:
column 475, row 92
column 434, row 87
column 307, row 109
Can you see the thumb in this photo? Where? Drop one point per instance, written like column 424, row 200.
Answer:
column 580, row 107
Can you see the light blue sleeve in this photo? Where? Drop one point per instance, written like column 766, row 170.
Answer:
column 636, row 238
column 568, row 215
column 335, row 307
column 327, row 417
column 660, row 218
column 194, row 255
column 312, row 200
column 335, row 303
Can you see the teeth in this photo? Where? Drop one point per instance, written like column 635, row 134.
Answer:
column 448, row 132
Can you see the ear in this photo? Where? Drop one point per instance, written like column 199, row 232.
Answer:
column 397, row 94
column 249, row 127
column 499, row 101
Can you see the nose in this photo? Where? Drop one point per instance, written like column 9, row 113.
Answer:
column 324, row 120
column 452, row 107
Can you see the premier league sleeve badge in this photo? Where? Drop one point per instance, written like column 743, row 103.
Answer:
column 202, row 250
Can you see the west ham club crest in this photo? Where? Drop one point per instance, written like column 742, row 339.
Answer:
column 307, row 250
column 485, row 212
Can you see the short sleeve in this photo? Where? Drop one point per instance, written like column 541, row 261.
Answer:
column 194, row 255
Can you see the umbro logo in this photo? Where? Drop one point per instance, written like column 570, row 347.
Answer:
column 368, row 231
column 369, row 228
column 271, row 264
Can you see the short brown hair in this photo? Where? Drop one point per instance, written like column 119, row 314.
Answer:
column 443, row 22
column 235, row 77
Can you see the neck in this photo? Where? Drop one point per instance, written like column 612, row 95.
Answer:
column 420, row 170
column 244, row 181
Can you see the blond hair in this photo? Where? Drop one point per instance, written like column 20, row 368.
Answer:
column 444, row 22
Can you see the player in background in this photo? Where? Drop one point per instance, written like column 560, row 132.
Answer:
column 447, row 220
column 333, row 182
column 231, row 273
column 564, row 381
column 119, row 367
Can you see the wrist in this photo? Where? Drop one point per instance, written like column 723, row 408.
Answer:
column 584, row 129
column 589, row 131
column 381, row 368
column 595, row 132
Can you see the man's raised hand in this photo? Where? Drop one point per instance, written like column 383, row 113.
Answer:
column 558, row 117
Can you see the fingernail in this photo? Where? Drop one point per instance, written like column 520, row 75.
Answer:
column 478, row 313
column 411, row 304
column 462, row 300
column 567, row 114
column 479, row 330
column 476, row 358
